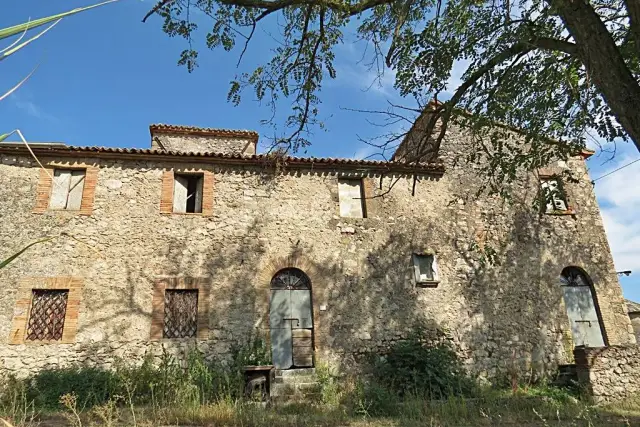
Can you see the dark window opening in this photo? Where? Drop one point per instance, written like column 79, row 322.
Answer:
column 187, row 193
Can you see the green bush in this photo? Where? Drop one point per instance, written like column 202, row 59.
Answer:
column 92, row 386
column 163, row 382
column 430, row 371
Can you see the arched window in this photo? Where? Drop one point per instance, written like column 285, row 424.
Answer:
column 573, row 276
column 581, row 303
column 291, row 278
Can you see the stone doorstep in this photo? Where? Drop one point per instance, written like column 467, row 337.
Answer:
column 295, row 372
column 301, row 390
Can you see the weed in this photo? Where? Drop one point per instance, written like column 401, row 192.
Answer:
column 108, row 413
column 70, row 402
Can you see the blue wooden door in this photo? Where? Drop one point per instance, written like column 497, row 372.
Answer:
column 302, row 334
column 280, row 328
column 585, row 325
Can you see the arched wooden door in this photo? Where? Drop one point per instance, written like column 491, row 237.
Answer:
column 291, row 319
column 582, row 310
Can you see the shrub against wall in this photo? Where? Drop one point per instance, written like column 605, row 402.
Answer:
column 420, row 367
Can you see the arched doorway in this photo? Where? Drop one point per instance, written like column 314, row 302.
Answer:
column 582, row 308
column 291, row 319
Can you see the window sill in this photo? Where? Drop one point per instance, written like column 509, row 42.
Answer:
column 187, row 213
column 165, row 339
column 567, row 212
column 44, row 342
column 428, row 284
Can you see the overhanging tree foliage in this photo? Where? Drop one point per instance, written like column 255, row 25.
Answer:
column 552, row 68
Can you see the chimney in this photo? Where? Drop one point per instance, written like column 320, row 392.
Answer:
column 191, row 139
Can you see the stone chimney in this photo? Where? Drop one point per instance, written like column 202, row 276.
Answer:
column 203, row 140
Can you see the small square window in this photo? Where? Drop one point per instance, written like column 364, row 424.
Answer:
column 351, row 195
column 66, row 191
column 425, row 269
column 187, row 193
column 180, row 313
column 46, row 316
column 554, row 195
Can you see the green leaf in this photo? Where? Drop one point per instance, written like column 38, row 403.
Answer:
column 21, row 251
column 13, row 89
column 8, row 52
column 4, row 136
column 16, row 29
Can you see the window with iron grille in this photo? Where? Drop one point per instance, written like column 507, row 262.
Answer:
column 180, row 313
column 46, row 317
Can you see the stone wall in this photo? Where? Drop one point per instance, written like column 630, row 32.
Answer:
column 635, row 322
column 609, row 374
column 203, row 143
column 500, row 317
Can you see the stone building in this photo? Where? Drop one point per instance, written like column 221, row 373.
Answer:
column 201, row 241
column 633, row 308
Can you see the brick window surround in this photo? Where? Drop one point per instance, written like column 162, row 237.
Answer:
column 23, row 306
column 202, row 284
column 43, row 193
column 166, row 193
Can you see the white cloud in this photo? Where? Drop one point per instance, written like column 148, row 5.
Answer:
column 367, row 79
column 32, row 109
column 364, row 152
column 619, row 197
column 455, row 79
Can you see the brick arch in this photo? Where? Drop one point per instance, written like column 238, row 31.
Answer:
column 295, row 260
column 302, row 262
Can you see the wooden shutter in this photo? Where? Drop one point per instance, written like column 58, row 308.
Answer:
column 76, row 185
column 166, row 193
column 372, row 205
column 180, row 190
column 207, row 193
column 60, row 189
column 198, row 195
column 350, row 194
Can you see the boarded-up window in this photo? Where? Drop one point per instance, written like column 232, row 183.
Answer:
column 180, row 313
column 46, row 317
column 187, row 193
column 424, row 267
column 66, row 191
column 351, row 195
column 553, row 193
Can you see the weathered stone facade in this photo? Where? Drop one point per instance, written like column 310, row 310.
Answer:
column 187, row 139
column 633, row 308
column 268, row 217
column 611, row 373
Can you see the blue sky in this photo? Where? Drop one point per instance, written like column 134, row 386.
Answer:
column 104, row 76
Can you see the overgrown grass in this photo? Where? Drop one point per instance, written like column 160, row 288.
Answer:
column 402, row 392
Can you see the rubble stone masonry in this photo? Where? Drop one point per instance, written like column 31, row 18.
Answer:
column 500, row 317
column 610, row 373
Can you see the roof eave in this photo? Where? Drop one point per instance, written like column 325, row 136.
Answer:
column 254, row 160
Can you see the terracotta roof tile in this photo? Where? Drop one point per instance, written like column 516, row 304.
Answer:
column 436, row 167
column 193, row 130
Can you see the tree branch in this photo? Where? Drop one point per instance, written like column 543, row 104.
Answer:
column 156, row 8
column 272, row 6
column 633, row 8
